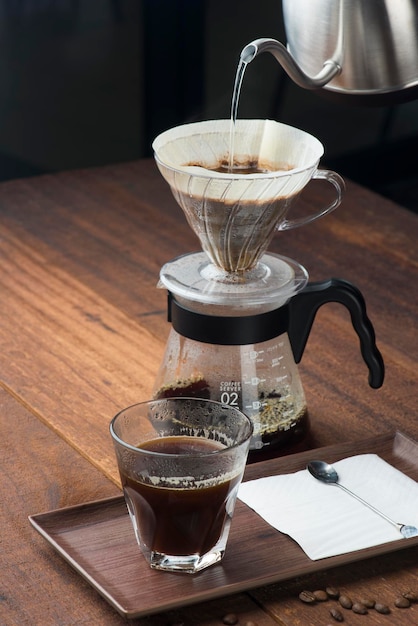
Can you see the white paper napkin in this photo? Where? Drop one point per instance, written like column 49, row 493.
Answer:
column 326, row 521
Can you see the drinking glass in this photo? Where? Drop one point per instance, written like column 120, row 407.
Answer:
column 181, row 462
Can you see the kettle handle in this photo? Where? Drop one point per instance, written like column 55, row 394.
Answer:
column 303, row 308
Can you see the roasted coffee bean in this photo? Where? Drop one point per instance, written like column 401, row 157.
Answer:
column 345, row 602
column 320, row 595
column 250, row 623
column 333, row 593
column 382, row 608
column 411, row 596
column 368, row 602
column 307, row 596
column 230, row 619
column 337, row 615
column 402, row 603
column 359, row 608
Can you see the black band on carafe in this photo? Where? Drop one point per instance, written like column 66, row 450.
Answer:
column 227, row 331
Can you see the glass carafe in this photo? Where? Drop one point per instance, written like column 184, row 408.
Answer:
column 247, row 357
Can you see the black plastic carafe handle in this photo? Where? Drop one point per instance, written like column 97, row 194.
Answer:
column 304, row 306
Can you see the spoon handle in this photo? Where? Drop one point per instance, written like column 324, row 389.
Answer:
column 370, row 506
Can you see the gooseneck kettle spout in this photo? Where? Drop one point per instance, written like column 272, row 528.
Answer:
column 329, row 70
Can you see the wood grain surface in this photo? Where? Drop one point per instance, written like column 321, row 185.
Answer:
column 83, row 328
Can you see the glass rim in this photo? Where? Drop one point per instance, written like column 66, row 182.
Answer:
column 152, row 453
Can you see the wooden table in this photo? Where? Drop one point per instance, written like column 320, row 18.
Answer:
column 83, row 328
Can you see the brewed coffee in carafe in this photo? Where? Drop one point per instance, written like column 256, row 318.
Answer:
column 260, row 378
column 238, row 326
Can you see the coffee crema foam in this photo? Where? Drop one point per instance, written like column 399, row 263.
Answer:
column 247, row 166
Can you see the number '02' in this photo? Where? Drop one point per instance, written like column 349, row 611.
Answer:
column 229, row 398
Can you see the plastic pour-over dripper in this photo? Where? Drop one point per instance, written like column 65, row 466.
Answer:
column 234, row 214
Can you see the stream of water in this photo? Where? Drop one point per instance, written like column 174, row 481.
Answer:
column 234, row 110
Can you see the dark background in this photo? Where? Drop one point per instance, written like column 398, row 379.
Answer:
column 91, row 82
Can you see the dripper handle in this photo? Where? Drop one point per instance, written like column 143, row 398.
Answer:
column 339, row 185
column 303, row 308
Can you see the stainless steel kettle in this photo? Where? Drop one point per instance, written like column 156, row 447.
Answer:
column 351, row 48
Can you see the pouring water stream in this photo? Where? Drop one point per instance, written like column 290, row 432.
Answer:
column 327, row 474
column 239, row 76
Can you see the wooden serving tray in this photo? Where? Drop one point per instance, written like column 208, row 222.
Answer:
column 97, row 539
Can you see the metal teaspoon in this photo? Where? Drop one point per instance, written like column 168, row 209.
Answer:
column 327, row 474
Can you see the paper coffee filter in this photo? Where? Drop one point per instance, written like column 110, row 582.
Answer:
column 192, row 149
